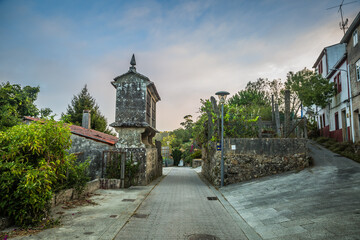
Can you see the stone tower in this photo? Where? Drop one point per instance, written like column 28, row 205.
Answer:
column 135, row 121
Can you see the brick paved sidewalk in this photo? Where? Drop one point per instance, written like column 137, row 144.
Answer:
column 178, row 208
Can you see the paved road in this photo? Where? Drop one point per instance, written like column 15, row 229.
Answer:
column 322, row 202
column 178, row 208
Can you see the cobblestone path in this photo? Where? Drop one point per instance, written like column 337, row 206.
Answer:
column 178, row 208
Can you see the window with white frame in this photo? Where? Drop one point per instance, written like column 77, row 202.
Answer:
column 357, row 65
column 355, row 37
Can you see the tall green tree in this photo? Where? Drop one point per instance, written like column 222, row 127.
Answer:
column 256, row 98
column 188, row 123
column 236, row 123
column 84, row 101
column 17, row 102
column 310, row 88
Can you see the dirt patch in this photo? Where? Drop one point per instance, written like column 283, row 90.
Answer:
column 16, row 232
column 51, row 221
column 79, row 202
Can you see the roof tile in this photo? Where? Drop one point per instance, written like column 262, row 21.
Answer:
column 88, row 133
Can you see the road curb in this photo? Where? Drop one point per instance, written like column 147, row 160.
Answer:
column 116, row 228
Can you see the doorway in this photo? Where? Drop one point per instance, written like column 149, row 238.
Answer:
column 344, row 126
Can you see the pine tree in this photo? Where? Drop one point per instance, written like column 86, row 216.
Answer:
column 84, row 101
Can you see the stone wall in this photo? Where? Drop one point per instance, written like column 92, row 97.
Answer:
column 246, row 158
column 130, row 98
column 71, row 194
column 148, row 162
column 152, row 165
column 87, row 148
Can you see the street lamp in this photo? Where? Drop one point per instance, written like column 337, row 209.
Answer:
column 222, row 97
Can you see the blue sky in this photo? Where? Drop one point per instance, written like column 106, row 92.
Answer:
column 189, row 49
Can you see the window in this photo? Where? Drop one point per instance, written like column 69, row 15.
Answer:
column 336, row 121
column 324, row 119
column 320, row 68
column 355, row 37
column 358, row 70
column 337, row 82
column 150, row 110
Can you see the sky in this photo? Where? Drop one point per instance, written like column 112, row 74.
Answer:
column 189, row 49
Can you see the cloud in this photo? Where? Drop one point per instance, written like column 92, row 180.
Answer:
column 189, row 49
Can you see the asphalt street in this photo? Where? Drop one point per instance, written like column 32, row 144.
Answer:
column 321, row 202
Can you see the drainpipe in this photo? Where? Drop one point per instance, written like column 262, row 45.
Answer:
column 350, row 97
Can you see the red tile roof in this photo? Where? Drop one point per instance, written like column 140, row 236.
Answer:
column 87, row 133
column 93, row 134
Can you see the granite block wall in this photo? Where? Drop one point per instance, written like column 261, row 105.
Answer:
column 246, row 158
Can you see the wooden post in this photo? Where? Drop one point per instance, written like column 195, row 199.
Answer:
column 305, row 127
column 277, row 120
column 298, row 130
column 122, row 169
column 287, row 113
column 260, row 127
column 272, row 110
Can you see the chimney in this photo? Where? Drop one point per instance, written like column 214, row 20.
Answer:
column 86, row 119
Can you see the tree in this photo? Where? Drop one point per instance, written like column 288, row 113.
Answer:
column 176, row 154
column 16, row 102
column 188, row 123
column 84, row 101
column 236, row 123
column 46, row 113
column 310, row 88
column 267, row 88
column 253, row 103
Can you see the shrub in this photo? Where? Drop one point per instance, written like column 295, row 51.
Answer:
column 77, row 176
column 33, row 165
column 196, row 154
column 176, row 154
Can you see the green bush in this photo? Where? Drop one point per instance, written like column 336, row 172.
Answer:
column 176, row 154
column 33, row 165
column 196, row 154
column 77, row 176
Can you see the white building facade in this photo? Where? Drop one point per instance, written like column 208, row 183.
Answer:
column 333, row 120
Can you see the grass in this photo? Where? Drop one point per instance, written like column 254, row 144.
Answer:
column 346, row 149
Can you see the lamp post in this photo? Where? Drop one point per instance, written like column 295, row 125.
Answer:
column 222, row 97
